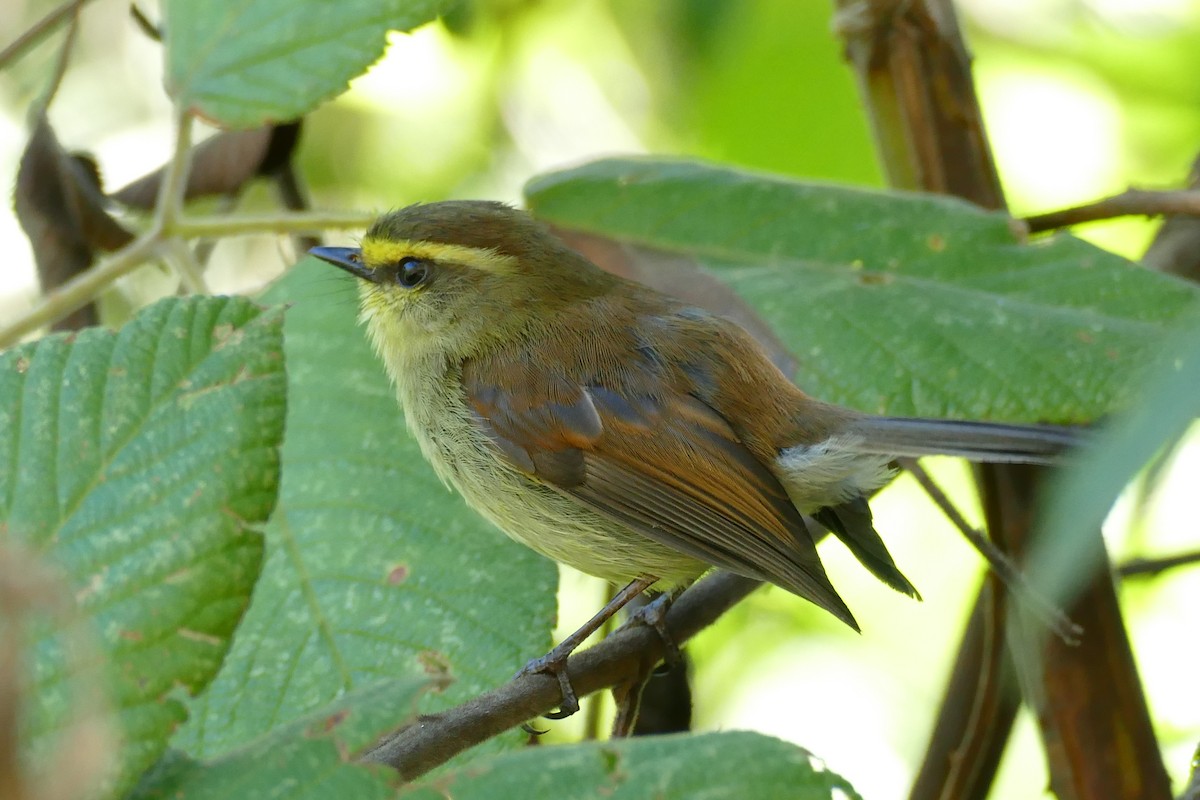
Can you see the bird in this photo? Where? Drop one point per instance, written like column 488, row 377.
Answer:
column 621, row 431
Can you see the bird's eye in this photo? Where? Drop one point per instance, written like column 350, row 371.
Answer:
column 412, row 272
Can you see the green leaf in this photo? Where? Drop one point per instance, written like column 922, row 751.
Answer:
column 1083, row 495
column 137, row 463
column 310, row 757
column 894, row 303
column 373, row 567
column 243, row 63
column 709, row 766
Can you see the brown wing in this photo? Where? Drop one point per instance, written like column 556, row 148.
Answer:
column 668, row 467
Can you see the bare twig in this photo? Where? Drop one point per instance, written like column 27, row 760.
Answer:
column 60, row 64
column 1150, row 567
column 1012, row 577
column 169, row 207
column 144, row 24
column 309, row 222
column 83, row 288
column 181, row 259
column 435, row 738
column 1176, row 245
column 628, row 697
column 38, row 31
column 964, row 749
column 1131, row 202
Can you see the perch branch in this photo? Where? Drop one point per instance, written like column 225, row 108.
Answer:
column 435, row 738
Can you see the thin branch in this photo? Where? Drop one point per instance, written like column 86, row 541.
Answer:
column 82, row 289
column 144, row 24
column 435, row 738
column 38, row 31
column 1131, row 202
column 169, row 206
column 60, row 64
column 306, row 222
column 181, row 259
column 1150, row 567
column 1001, row 564
column 978, row 709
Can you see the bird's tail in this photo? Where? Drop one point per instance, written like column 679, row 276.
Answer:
column 994, row 442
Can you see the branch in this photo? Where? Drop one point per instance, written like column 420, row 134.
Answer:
column 435, row 738
column 38, row 31
column 302, row 222
column 60, row 64
column 1131, row 202
column 1151, row 567
column 83, row 288
column 1010, row 575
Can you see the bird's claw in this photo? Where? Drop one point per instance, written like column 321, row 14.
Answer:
column 654, row 615
column 555, row 663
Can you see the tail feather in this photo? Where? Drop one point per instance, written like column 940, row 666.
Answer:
column 994, row 442
column 852, row 523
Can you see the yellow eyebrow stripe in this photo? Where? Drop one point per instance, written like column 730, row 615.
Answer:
column 386, row 251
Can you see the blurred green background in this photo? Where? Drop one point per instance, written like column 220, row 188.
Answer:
column 1082, row 98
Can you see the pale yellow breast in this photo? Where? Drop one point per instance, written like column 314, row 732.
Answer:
column 536, row 515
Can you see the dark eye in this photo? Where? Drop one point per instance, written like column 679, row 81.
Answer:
column 411, row 272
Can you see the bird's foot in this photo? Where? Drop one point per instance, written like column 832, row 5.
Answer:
column 654, row 615
column 554, row 663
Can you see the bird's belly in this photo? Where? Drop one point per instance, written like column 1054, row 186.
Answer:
column 532, row 513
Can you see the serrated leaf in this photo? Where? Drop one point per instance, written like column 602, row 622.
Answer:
column 138, row 463
column 711, row 766
column 373, row 567
column 893, row 303
column 243, row 63
column 311, row 757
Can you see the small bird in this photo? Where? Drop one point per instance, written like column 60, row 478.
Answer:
column 613, row 428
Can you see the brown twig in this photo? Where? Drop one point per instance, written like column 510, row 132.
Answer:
column 151, row 31
column 38, row 30
column 435, row 738
column 1129, row 203
column 60, row 64
column 915, row 75
column 1013, row 578
column 1151, row 567
column 965, row 748
column 628, row 698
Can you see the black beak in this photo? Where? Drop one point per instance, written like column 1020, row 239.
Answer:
column 348, row 258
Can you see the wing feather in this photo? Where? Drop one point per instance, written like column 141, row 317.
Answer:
column 665, row 465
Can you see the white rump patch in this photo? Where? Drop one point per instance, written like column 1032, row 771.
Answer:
column 830, row 472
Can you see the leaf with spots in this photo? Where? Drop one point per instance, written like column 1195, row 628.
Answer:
column 312, row 757
column 714, row 766
column 893, row 303
column 373, row 568
column 138, row 464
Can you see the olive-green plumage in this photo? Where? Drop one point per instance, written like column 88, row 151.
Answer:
column 619, row 430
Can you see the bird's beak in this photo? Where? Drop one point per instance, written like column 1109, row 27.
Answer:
column 348, row 258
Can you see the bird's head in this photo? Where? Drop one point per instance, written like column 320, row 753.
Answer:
column 453, row 276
